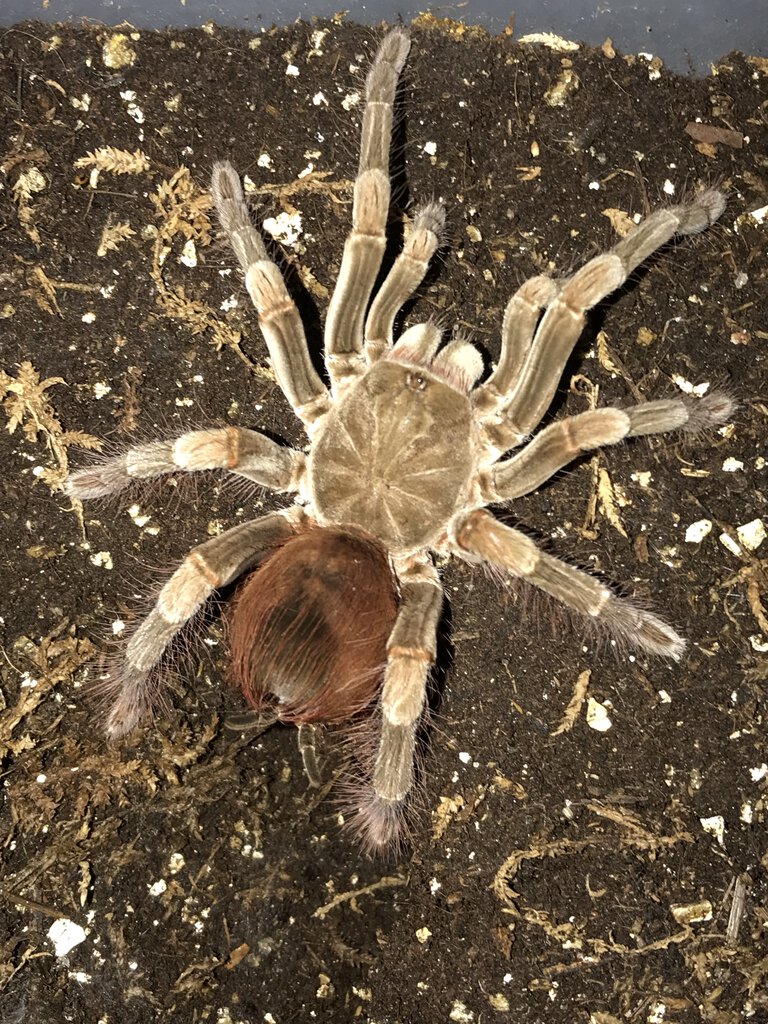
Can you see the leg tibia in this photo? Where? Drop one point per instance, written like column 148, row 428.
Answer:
column 410, row 654
column 561, row 442
column 404, row 278
column 511, row 550
column 133, row 685
column 233, row 214
column 241, row 451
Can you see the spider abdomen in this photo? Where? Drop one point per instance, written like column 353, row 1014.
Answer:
column 394, row 457
column 309, row 629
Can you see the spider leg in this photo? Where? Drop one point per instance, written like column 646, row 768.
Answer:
column 278, row 316
column 410, row 654
column 206, row 568
column 404, row 278
column 564, row 319
column 364, row 248
column 480, row 534
column 307, row 739
column 564, row 440
column 521, row 316
column 241, row 451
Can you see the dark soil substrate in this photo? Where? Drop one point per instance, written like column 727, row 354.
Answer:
column 552, row 875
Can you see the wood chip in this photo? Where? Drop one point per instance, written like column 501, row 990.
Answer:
column 708, row 133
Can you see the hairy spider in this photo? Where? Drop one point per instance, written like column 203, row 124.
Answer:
column 406, row 452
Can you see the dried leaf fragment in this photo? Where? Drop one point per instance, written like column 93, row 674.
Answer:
column 115, row 161
column 690, row 913
column 621, row 222
column 550, row 40
column 557, row 94
column 112, row 236
column 608, row 501
column 27, row 184
column 27, row 404
column 709, row 134
column 575, row 704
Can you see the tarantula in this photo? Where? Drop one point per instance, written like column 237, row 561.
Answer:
column 406, row 452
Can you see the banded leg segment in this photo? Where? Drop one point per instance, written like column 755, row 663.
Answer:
column 207, row 567
column 561, row 442
column 410, row 656
column 279, row 318
column 241, row 451
column 518, row 328
column 480, row 534
column 564, row 318
column 404, row 278
column 365, row 245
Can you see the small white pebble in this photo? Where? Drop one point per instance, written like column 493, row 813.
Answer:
column 732, row 465
column 430, row 148
column 319, row 98
column 158, row 888
column 594, row 185
column 284, row 228
column 292, row 71
column 690, row 389
column 729, row 543
column 751, row 534
column 715, row 826
column 697, row 531
column 597, row 716
column 189, row 254
column 65, row 935
column 464, row 757
column 668, row 187
column 264, row 160
column 88, row 318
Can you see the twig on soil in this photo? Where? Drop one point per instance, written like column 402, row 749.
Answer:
column 344, row 897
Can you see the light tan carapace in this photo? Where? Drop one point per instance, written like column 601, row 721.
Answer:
column 407, row 449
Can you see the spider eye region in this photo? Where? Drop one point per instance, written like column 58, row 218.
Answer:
column 416, row 381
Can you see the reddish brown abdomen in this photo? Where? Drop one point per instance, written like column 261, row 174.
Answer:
column 309, row 629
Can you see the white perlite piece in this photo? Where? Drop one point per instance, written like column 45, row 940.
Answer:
column 65, row 935
column 750, row 536
column 597, row 716
column 715, row 826
column 697, row 531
